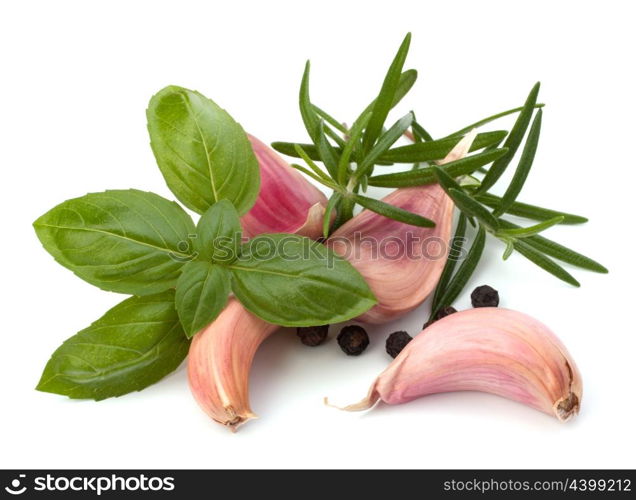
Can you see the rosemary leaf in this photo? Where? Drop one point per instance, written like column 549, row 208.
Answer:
column 465, row 271
column 384, row 102
column 473, row 208
column 513, row 141
column 395, row 213
column 438, row 149
column 330, row 119
column 489, row 119
column 510, row 247
column 386, row 140
column 544, row 262
column 334, row 135
column 354, row 137
column 454, row 254
column 532, row 212
column 326, row 151
column 446, row 181
column 525, row 232
column 311, row 163
column 558, row 251
column 426, row 175
column 421, row 133
column 523, row 169
column 314, row 126
column 326, row 221
column 317, row 178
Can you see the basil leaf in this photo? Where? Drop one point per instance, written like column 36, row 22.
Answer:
column 125, row 241
column 291, row 280
column 202, row 292
column 219, row 233
column 203, row 154
column 134, row 345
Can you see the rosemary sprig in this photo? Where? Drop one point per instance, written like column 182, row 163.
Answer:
column 350, row 155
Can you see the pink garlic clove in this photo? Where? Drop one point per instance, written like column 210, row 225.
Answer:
column 287, row 202
column 219, row 364
column 401, row 263
column 487, row 349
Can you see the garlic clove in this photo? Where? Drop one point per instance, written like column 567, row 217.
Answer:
column 401, row 263
column 219, row 364
column 287, row 202
column 488, row 349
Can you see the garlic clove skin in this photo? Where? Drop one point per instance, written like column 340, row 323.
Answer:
column 219, row 364
column 488, row 349
column 401, row 263
column 287, row 202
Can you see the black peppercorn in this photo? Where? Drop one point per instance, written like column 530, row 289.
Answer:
column 353, row 340
column 484, row 296
column 312, row 335
column 442, row 313
column 396, row 342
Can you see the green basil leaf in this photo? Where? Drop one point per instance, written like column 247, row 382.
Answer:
column 125, row 241
column 426, row 175
column 530, row 211
column 438, row 149
column 392, row 212
column 203, row 154
column 291, row 280
column 384, row 102
column 202, row 292
column 513, row 141
column 134, row 345
column 219, row 233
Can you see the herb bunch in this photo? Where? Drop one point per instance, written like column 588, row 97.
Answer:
column 181, row 274
column 350, row 155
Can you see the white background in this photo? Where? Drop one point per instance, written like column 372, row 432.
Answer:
column 75, row 81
